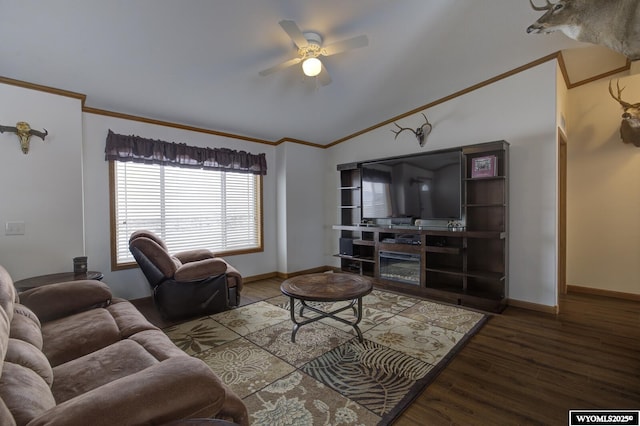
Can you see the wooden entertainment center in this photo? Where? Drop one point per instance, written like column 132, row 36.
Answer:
column 465, row 265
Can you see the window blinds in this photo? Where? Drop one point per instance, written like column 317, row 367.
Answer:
column 188, row 208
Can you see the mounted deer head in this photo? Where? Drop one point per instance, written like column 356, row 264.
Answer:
column 420, row 133
column 612, row 23
column 630, row 125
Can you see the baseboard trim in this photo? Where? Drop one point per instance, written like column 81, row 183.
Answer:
column 534, row 306
column 602, row 292
column 259, row 277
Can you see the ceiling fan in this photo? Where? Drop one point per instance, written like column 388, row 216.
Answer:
column 310, row 47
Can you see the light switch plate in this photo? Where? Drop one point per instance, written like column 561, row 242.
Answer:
column 14, row 228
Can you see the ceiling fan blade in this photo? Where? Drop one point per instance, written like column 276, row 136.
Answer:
column 324, row 78
column 344, row 45
column 294, row 32
column 281, row 66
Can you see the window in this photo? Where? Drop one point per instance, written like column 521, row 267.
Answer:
column 187, row 207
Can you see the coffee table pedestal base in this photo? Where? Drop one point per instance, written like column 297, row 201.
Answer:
column 357, row 311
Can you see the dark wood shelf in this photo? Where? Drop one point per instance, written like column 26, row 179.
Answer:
column 466, row 292
column 446, row 250
column 356, row 258
column 485, row 178
column 445, row 287
column 369, row 243
column 495, row 276
column 422, row 231
column 403, row 248
column 491, row 235
column 486, row 205
column 445, row 270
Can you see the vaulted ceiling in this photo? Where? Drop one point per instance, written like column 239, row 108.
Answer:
column 196, row 62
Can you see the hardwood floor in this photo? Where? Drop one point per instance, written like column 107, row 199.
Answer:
column 525, row 367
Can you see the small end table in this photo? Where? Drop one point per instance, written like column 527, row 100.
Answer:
column 327, row 288
column 42, row 280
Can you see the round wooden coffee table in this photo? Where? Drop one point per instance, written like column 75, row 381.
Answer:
column 326, row 288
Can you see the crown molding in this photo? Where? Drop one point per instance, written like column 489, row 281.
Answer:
column 46, row 89
column 554, row 56
column 623, row 68
column 138, row 118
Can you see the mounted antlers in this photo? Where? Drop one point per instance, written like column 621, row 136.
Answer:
column 630, row 125
column 419, row 132
column 541, row 8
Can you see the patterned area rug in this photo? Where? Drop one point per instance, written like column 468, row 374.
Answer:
column 327, row 376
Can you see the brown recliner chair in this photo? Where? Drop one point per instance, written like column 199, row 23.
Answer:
column 188, row 283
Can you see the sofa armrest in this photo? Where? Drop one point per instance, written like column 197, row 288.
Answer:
column 200, row 269
column 177, row 388
column 193, row 255
column 63, row 299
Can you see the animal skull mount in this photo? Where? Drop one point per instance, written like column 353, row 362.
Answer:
column 24, row 132
column 420, row 132
column 630, row 125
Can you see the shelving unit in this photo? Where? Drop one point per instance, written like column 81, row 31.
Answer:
column 487, row 218
column 357, row 249
column 468, row 267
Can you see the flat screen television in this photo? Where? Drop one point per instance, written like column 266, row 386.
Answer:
column 423, row 186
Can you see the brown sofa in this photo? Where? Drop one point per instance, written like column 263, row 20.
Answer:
column 71, row 354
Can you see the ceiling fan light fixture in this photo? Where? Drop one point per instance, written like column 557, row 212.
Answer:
column 311, row 67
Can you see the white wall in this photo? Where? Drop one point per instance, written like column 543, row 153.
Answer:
column 131, row 283
column 519, row 109
column 603, row 203
column 43, row 189
column 562, row 102
column 281, row 206
column 61, row 191
column 301, row 232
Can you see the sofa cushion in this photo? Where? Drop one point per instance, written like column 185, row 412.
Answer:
column 6, row 418
column 157, row 344
column 25, row 354
column 98, row 368
column 52, row 301
column 177, row 388
column 77, row 335
column 7, row 292
column 24, row 392
column 7, row 300
column 5, row 330
column 20, row 309
column 26, row 326
column 128, row 319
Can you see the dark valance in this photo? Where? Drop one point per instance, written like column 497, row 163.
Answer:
column 150, row 151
